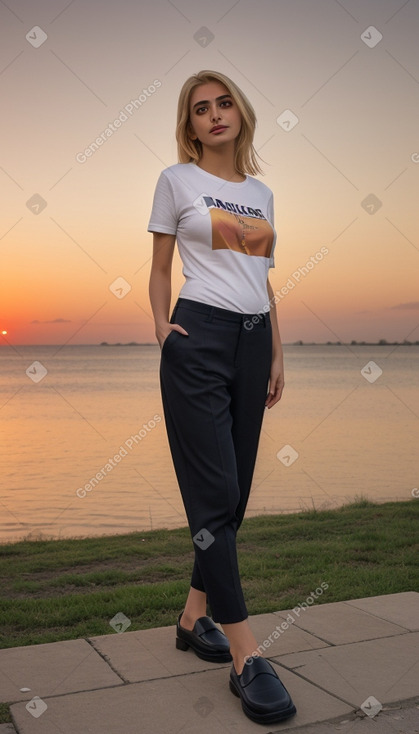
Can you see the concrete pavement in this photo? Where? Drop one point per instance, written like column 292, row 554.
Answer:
column 350, row 666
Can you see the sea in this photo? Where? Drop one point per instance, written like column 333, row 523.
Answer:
column 84, row 450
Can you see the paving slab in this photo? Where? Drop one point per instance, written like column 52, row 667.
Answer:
column 331, row 658
column 52, row 668
column 147, row 654
column 339, row 623
column 403, row 719
column 289, row 637
column 402, row 609
column 387, row 669
column 179, row 705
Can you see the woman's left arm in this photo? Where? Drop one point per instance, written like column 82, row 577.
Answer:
column 276, row 380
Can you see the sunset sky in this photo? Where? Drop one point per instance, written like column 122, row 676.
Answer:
column 345, row 177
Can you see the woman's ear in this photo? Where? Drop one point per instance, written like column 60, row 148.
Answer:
column 191, row 134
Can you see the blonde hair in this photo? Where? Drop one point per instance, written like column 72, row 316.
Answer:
column 191, row 150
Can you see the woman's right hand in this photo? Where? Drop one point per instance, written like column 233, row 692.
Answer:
column 163, row 332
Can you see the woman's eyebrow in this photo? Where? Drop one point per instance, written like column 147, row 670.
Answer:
column 206, row 101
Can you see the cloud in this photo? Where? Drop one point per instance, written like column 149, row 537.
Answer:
column 54, row 321
column 412, row 305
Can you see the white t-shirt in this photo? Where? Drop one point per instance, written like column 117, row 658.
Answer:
column 225, row 235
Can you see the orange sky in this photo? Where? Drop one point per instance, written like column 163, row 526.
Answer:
column 357, row 109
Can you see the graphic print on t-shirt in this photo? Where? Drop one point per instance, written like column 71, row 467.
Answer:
column 239, row 228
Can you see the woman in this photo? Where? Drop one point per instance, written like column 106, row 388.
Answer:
column 220, row 350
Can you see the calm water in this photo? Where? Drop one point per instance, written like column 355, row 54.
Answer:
column 352, row 437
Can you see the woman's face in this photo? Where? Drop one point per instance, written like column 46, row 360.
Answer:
column 212, row 105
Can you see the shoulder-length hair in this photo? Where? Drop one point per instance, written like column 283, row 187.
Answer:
column 191, row 150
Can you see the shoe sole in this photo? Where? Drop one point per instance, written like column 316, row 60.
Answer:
column 220, row 658
column 270, row 718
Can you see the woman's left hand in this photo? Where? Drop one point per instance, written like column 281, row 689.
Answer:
column 276, row 382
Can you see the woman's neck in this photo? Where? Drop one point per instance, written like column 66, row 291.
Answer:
column 220, row 163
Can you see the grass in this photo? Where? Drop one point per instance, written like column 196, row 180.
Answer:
column 68, row 589
column 5, row 716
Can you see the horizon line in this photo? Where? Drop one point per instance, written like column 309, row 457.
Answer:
column 297, row 343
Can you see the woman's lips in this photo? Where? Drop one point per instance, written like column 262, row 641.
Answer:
column 219, row 129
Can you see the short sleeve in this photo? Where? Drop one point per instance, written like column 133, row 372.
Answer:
column 163, row 216
column 271, row 219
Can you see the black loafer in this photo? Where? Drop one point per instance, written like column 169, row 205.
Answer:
column 264, row 698
column 206, row 640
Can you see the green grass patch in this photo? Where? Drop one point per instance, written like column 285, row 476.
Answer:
column 5, row 716
column 66, row 589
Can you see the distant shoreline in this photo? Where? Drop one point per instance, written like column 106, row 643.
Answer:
column 299, row 343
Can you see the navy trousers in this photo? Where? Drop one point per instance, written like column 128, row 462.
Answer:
column 214, row 385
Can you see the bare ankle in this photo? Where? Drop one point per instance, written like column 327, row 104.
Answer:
column 187, row 622
column 195, row 607
column 243, row 643
column 240, row 661
column 191, row 614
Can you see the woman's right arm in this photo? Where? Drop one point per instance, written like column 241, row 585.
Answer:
column 160, row 285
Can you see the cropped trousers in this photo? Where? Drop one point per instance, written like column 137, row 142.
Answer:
column 214, row 384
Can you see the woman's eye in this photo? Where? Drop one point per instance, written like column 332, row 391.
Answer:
column 227, row 102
